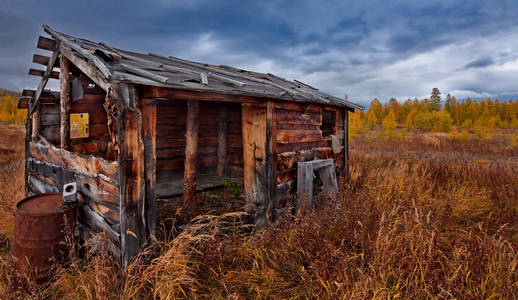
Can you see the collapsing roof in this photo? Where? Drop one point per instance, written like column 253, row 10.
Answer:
column 120, row 67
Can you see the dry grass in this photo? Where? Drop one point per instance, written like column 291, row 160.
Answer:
column 420, row 217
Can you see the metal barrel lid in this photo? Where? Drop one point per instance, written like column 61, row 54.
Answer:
column 46, row 204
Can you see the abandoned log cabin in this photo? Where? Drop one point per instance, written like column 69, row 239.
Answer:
column 132, row 128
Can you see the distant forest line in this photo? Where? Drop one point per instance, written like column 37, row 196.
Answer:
column 431, row 114
column 435, row 115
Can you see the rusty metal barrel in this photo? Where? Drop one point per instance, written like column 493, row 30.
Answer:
column 42, row 223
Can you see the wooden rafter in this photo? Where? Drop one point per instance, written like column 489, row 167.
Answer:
column 44, row 80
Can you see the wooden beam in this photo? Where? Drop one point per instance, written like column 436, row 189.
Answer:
column 346, row 142
column 41, row 73
column 254, row 152
column 46, row 43
column 222, row 140
column 172, row 93
column 36, row 126
column 271, row 161
column 44, row 80
column 191, row 152
column 40, row 59
column 132, row 185
column 64, row 82
column 149, row 135
column 86, row 68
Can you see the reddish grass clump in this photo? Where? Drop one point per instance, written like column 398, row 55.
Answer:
column 415, row 219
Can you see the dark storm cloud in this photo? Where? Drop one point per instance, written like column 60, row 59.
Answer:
column 480, row 63
column 366, row 49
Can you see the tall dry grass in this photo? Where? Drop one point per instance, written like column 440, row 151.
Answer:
column 423, row 217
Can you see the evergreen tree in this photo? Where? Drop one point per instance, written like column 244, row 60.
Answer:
column 435, row 99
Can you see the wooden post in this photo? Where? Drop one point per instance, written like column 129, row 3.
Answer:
column 191, row 152
column 64, row 81
column 222, row 140
column 254, row 161
column 36, row 126
column 132, row 185
column 149, row 135
column 271, row 161
column 346, row 142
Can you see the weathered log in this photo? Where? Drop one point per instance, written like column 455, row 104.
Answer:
column 191, row 148
column 36, row 123
column 149, row 114
column 64, row 82
column 271, row 161
column 171, row 93
column 298, row 136
column 88, row 165
column 131, row 169
column 222, row 140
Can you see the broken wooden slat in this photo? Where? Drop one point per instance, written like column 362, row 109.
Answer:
column 191, row 147
column 46, row 43
column 86, row 68
column 90, row 165
column 101, row 66
column 222, row 140
column 64, row 82
column 144, row 73
column 40, row 73
column 93, row 219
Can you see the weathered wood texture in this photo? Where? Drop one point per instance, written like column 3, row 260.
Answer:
column 149, row 115
column 222, row 140
column 271, row 161
column 254, row 156
column 191, row 152
column 36, row 123
column 235, row 141
column 132, row 184
column 305, row 175
column 170, row 140
column 97, row 179
column 64, row 83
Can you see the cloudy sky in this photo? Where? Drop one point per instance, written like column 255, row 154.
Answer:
column 364, row 49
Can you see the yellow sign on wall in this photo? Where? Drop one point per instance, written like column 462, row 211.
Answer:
column 79, row 125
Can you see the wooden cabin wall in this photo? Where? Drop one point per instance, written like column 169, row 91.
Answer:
column 49, row 168
column 299, row 138
column 92, row 103
column 235, row 141
column 170, row 138
column 49, row 121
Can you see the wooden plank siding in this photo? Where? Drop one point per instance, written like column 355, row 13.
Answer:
column 49, row 168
